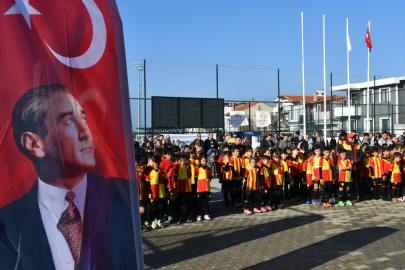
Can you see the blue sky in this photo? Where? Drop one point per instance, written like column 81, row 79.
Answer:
column 258, row 34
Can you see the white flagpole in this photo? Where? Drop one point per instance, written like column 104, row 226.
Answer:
column 324, row 80
column 368, row 85
column 348, row 78
column 303, row 74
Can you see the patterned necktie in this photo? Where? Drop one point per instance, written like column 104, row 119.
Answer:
column 71, row 227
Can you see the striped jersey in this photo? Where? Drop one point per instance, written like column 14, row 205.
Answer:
column 397, row 169
column 236, row 163
column 317, row 166
column 327, row 169
column 157, row 180
column 377, row 165
column 194, row 164
column 252, row 181
column 345, row 176
column 265, row 172
column 183, row 179
column 204, row 176
column 277, row 173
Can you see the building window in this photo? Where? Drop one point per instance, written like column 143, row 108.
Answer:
column 295, row 113
column 318, row 107
column 385, row 124
column 355, row 100
column 370, row 95
column 385, row 95
column 370, row 125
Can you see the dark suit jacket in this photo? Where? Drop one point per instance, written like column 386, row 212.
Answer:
column 108, row 237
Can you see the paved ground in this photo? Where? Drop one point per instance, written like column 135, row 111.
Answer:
column 369, row 235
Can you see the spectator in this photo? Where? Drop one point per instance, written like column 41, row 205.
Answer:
column 297, row 138
column 228, row 140
column 302, row 143
column 309, row 141
column 159, row 143
column 168, row 139
column 285, row 143
column 276, row 140
column 198, row 141
column 401, row 139
column 146, row 151
column 394, row 139
column 367, row 139
column 210, row 143
column 178, row 144
column 266, row 143
column 319, row 142
column 332, row 143
column 238, row 142
column 384, row 139
column 377, row 137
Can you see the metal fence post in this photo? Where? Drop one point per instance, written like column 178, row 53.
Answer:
column 217, row 98
column 330, row 106
column 144, row 90
column 392, row 119
column 279, row 101
column 250, row 127
column 374, row 112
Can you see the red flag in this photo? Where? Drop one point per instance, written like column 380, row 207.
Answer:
column 368, row 40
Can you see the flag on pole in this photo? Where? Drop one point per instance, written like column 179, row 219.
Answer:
column 349, row 45
column 368, row 40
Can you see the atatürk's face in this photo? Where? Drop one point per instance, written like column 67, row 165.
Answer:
column 69, row 138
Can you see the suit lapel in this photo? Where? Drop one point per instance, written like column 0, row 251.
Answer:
column 96, row 225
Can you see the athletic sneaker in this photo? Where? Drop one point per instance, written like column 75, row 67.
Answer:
column 313, row 201
column 325, row 204
column 159, row 223
column 207, row 217
column 170, row 218
column 349, row 203
column 292, row 200
column 154, row 225
column 198, row 218
column 247, row 212
column 394, row 200
column 146, row 223
column 180, row 220
column 307, row 202
column 400, row 200
column 270, row 208
column 318, row 202
column 144, row 228
column 329, row 205
column 263, row 209
column 280, row 207
column 332, row 200
column 297, row 199
column 189, row 220
column 341, row 203
column 257, row 210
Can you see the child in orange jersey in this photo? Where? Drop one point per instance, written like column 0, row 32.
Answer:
column 183, row 183
column 295, row 170
column 345, row 178
column 204, row 176
column 252, row 187
column 316, row 174
column 141, row 188
column 327, row 176
column 156, row 184
column 173, row 194
column 376, row 166
column 277, row 173
column 307, row 177
column 235, row 162
column 366, row 174
column 194, row 163
column 265, row 185
column 386, row 163
column 395, row 176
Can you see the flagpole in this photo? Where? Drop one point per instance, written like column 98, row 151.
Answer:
column 324, row 79
column 348, row 76
column 368, row 85
column 303, row 74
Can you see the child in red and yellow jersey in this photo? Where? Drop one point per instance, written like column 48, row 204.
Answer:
column 156, row 183
column 182, row 178
column 194, row 163
column 307, row 177
column 277, row 172
column 235, row 162
column 265, row 185
column 345, row 178
column 386, row 163
column 204, row 176
column 316, row 173
column 366, row 174
column 395, row 175
column 288, row 176
column 175, row 160
column 246, row 164
column 252, row 187
column 327, row 176
column 226, row 177
column 295, row 170
column 141, row 188
column 376, row 169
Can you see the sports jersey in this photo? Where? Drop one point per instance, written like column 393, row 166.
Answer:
column 204, row 177
column 169, row 169
column 377, row 165
column 386, row 165
column 295, row 165
column 345, row 176
column 141, row 182
column 236, row 163
column 265, row 172
column 397, row 170
column 316, row 165
column 194, row 163
column 335, row 176
column 158, row 182
column 227, row 175
column 327, row 169
column 284, row 163
column 252, row 182
column 307, row 168
column 301, row 162
column 183, row 179
column 277, row 173
column 245, row 162
column 365, row 172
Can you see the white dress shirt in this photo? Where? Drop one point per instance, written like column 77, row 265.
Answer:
column 52, row 203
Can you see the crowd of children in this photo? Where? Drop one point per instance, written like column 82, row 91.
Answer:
column 177, row 185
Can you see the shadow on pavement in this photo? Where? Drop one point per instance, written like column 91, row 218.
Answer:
column 324, row 251
column 210, row 243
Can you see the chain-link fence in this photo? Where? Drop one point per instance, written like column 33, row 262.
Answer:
column 280, row 92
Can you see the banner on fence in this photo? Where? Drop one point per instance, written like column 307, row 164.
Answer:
column 239, row 119
column 262, row 118
column 187, row 139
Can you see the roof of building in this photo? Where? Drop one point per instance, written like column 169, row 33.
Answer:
column 246, row 106
column 310, row 99
column 363, row 85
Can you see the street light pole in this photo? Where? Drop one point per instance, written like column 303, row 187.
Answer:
column 138, row 66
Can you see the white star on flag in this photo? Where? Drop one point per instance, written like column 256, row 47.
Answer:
column 24, row 8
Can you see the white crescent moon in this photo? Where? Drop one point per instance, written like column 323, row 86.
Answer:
column 98, row 43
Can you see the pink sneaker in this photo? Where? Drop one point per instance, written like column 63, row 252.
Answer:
column 269, row 208
column 263, row 210
column 256, row 210
column 248, row 212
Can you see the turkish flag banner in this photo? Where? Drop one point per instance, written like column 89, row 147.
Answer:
column 368, row 40
column 66, row 142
